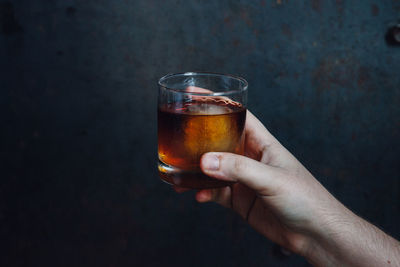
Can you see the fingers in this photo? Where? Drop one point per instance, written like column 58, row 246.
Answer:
column 221, row 196
column 255, row 128
column 259, row 141
column 205, row 195
column 262, row 146
column 262, row 178
column 253, row 124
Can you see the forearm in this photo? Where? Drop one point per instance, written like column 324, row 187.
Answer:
column 353, row 241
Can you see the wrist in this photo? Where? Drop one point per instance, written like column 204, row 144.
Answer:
column 331, row 236
column 348, row 240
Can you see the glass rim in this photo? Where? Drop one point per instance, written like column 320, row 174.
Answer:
column 200, row 73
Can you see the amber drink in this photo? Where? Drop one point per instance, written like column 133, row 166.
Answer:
column 194, row 121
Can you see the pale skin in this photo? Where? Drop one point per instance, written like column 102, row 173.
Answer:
column 282, row 200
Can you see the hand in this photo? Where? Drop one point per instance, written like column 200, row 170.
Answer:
column 279, row 198
column 275, row 194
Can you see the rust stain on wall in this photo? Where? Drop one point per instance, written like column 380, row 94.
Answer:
column 228, row 21
column 340, row 11
column 316, row 5
column 363, row 75
column 236, row 42
column 286, row 30
column 363, row 79
column 332, row 72
column 374, row 10
column 340, row 6
column 244, row 15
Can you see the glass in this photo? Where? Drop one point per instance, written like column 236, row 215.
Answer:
column 198, row 113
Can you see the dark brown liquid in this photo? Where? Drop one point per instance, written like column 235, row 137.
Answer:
column 187, row 131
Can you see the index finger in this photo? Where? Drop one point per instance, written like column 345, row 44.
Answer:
column 258, row 139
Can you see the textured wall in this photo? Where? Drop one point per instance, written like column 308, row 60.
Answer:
column 78, row 181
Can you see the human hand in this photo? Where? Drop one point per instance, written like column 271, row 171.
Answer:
column 280, row 198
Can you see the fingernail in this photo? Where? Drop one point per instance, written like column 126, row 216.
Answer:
column 211, row 162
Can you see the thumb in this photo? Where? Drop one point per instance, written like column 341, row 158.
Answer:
column 262, row 178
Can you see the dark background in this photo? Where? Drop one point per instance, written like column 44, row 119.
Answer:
column 78, row 94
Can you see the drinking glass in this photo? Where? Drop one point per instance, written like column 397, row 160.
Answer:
column 197, row 113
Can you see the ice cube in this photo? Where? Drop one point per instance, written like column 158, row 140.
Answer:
column 210, row 133
column 208, row 109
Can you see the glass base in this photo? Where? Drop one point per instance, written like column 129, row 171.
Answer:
column 188, row 179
